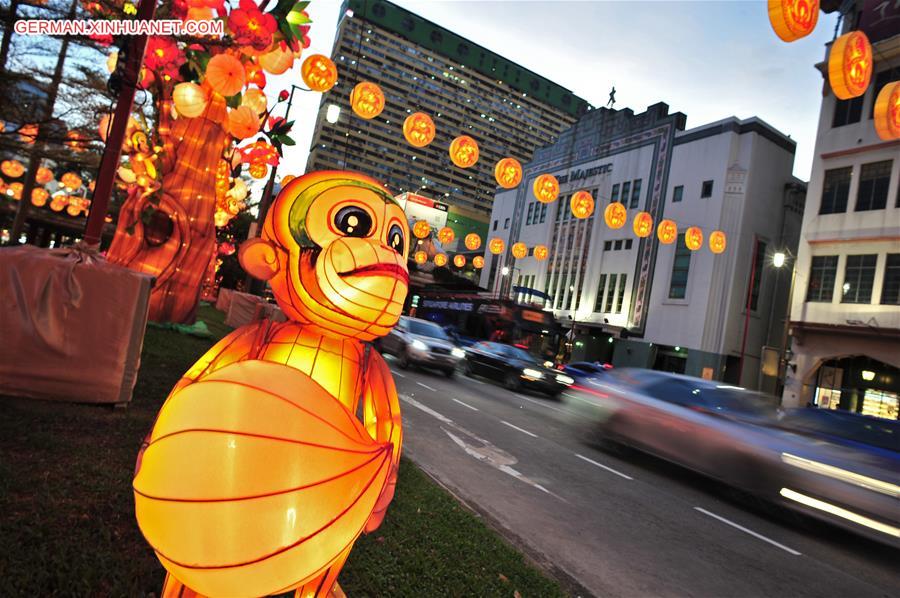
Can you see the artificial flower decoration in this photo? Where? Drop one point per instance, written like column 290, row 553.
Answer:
column 546, row 188
column 472, row 241
column 419, row 129
column 318, row 72
column 250, row 26
column 259, row 155
column 459, row 260
column 541, row 252
column 464, row 151
column 255, row 76
column 421, row 229
column 163, row 56
column 519, row 250
column 508, row 173
column 367, row 100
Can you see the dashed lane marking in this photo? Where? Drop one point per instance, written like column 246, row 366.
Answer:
column 518, row 428
column 465, row 404
column 426, row 386
column 606, row 467
column 748, row 531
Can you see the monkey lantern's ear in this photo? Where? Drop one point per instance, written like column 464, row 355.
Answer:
column 258, row 258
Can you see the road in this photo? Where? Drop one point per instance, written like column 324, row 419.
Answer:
column 619, row 524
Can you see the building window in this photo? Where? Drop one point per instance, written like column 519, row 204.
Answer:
column 530, row 210
column 757, row 275
column 626, row 191
column 680, row 267
column 880, row 80
column 495, row 225
column 821, row 278
column 627, row 243
column 859, row 275
column 635, row 194
column 601, row 288
column 620, row 297
column 607, row 245
column 890, row 290
column 618, row 244
column 874, row 180
column 706, row 190
column 543, row 212
column 610, row 295
column 847, row 112
column 506, row 224
column 677, row 193
column 835, row 190
column 614, row 196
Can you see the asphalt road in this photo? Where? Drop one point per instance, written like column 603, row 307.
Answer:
column 620, row 524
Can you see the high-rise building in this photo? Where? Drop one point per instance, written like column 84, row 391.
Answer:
column 465, row 88
column 845, row 316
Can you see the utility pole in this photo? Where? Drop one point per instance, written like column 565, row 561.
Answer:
column 747, row 309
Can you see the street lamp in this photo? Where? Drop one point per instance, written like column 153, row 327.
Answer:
column 779, row 260
column 505, row 270
column 333, row 113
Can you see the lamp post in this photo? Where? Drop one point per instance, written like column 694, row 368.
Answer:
column 506, row 271
column 779, row 260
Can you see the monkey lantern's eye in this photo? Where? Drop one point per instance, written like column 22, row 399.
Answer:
column 353, row 221
column 395, row 239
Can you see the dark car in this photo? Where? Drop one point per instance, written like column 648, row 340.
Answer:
column 423, row 343
column 515, row 367
column 586, row 369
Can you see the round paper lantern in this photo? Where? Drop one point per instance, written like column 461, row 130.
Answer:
column 75, row 206
column 58, row 203
column 15, row 189
column 508, row 173
column 472, row 241
column 582, row 204
column 284, row 181
column 39, row 196
column 615, row 215
column 318, row 72
column 71, row 181
column 419, row 129
column 667, row 231
column 793, row 19
column 519, row 250
column 496, row 246
column 643, row 224
column 464, row 151
column 28, row 133
column 278, row 60
column 887, row 112
column 440, row 260
column 478, row 261
column 190, row 99
column 546, row 188
column 717, row 241
column 43, row 176
column 367, row 100
column 256, row 100
column 850, row 65
column 421, row 229
column 12, row 168
column 225, row 74
column 421, row 257
column 258, row 169
column 459, row 260
column 242, row 122
column 693, row 238
column 446, row 235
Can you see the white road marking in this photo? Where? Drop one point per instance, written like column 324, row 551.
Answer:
column 606, row 467
column 396, row 373
column 748, row 531
column 426, row 386
column 426, row 409
column 518, row 428
column 465, row 404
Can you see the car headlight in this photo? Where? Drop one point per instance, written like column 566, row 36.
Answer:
column 457, row 352
column 531, row 373
column 567, row 380
column 419, row 345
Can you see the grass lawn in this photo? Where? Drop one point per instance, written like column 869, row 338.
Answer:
column 67, row 521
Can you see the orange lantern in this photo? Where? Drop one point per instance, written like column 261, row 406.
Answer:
column 255, row 99
column 319, row 72
column 541, row 252
column 793, row 19
column 421, row 229
column 667, row 231
column 464, row 151
column 887, row 112
column 508, row 173
column 367, row 100
column 850, row 65
column 546, row 188
column 717, row 241
column 496, row 246
column 582, row 204
column 472, row 241
column 459, row 260
column 43, row 176
column 190, row 99
column 225, row 74
column 643, row 224
column 519, row 250
column 440, row 260
column 421, row 257
column 58, row 203
column 478, row 261
column 693, row 238
column 76, row 141
column 278, row 60
column 419, row 129
column 12, row 168
column 258, row 169
column 446, row 235
column 71, row 181
column 39, row 196
column 242, row 122
column 28, row 133
column 15, row 190
column 615, row 215
column 76, row 206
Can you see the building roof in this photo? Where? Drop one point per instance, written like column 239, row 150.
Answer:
column 733, row 124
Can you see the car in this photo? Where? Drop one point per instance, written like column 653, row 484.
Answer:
column 515, row 367
column 423, row 343
column 586, row 369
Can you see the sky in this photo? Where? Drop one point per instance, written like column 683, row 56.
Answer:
column 707, row 59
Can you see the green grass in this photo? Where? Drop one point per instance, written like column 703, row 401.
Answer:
column 67, row 523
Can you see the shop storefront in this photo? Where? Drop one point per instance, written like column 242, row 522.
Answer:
column 859, row 385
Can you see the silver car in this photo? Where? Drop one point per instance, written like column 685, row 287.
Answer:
column 737, row 436
column 423, row 343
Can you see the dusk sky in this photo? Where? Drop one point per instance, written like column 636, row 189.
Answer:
column 709, row 60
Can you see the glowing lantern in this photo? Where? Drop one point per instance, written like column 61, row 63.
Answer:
column 28, row 133
column 717, row 241
column 76, row 141
column 693, row 238
column 278, row 60
column 446, row 235
column 225, row 74
column 496, row 246
column 39, row 196
column 459, row 260
column 319, row 72
column 508, row 173
column 71, row 181
column 255, row 100
column 58, row 203
column 258, row 170
column 850, row 65
column 421, row 229
column 284, row 181
column 615, row 215
column 582, row 204
column 367, row 100
column 15, row 190
column 440, row 260
column 43, row 176
column 667, row 231
column 887, row 112
column 519, row 250
column 190, row 99
column 221, row 218
column 464, row 151
column 76, row 206
column 242, row 122
column 12, row 168
column 472, row 241
column 541, row 252
column 478, row 261
column 793, row 19
column 111, row 61
column 642, row 225
column 546, row 188
column 421, row 257
column 419, row 129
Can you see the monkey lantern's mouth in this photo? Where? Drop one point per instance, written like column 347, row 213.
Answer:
column 380, row 269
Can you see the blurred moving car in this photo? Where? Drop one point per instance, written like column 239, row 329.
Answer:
column 586, row 369
column 515, row 367
column 423, row 343
column 739, row 437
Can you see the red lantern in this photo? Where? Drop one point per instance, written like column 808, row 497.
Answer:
column 418, row 129
column 546, row 188
column 541, row 252
column 693, row 238
column 367, row 100
column 717, row 241
column 887, row 112
column 478, row 261
column 667, row 231
column 850, row 65
column 582, row 204
column 459, row 260
column 464, row 151
column 643, row 224
column 793, row 19
column 472, row 241
column 508, row 173
column 615, row 215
